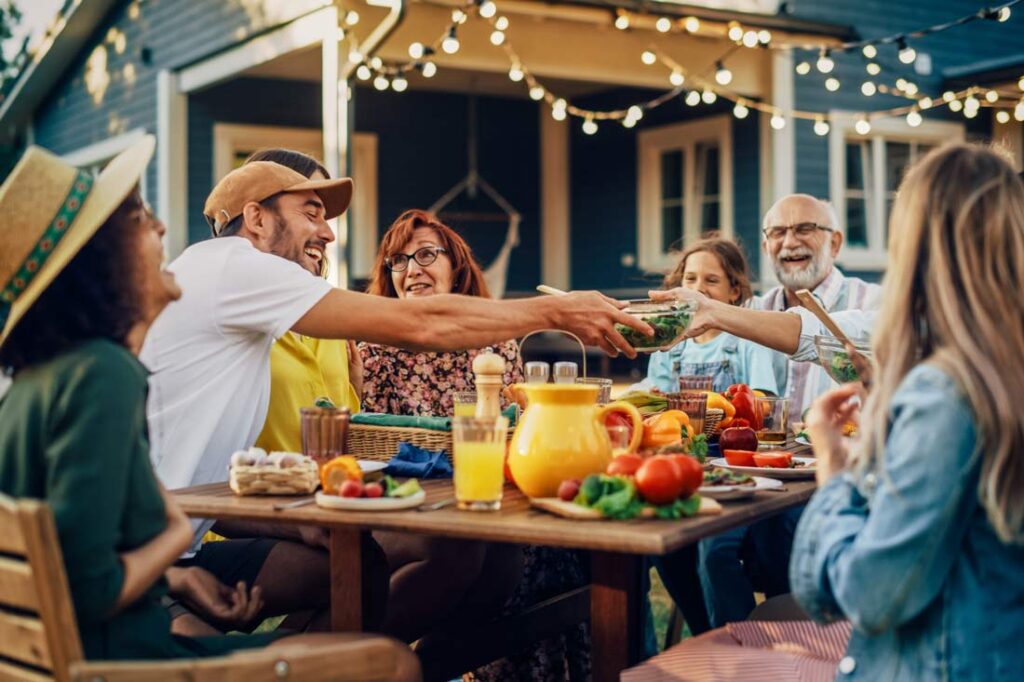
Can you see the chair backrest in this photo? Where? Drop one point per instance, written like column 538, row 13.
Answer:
column 38, row 634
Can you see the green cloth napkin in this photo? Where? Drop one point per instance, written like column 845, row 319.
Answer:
column 408, row 422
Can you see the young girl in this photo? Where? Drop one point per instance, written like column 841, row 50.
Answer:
column 717, row 268
column 917, row 538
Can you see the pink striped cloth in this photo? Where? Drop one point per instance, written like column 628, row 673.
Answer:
column 751, row 650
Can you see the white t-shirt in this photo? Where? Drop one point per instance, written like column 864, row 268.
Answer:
column 209, row 354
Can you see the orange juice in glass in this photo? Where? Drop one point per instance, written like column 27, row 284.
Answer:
column 465, row 404
column 479, row 461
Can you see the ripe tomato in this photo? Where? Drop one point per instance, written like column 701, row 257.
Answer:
column 775, row 460
column 740, row 458
column 624, row 465
column 659, row 479
column 691, row 474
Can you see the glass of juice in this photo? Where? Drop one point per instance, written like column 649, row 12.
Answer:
column 479, row 461
column 465, row 403
column 694, row 405
column 774, row 415
column 604, row 386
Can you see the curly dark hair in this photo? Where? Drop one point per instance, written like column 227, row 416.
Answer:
column 94, row 296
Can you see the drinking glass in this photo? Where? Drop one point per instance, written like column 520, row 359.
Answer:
column 619, row 436
column 479, row 446
column 695, row 406
column 774, row 416
column 604, row 386
column 324, row 432
column 465, row 403
column 695, row 383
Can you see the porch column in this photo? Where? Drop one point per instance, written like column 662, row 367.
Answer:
column 554, row 197
column 172, row 161
column 783, row 146
column 334, row 93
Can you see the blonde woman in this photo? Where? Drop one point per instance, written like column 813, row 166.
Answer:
column 916, row 537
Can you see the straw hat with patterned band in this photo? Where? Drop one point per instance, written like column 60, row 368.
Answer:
column 260, row 180
column 49, row 210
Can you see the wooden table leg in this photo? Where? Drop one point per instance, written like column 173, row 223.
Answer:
column 349, row 579
column 616, row 613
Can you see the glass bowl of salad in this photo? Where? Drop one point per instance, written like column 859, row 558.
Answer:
column 669, row 320
column 833, row 357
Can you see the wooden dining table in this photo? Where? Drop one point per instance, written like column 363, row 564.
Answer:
column 617, row 549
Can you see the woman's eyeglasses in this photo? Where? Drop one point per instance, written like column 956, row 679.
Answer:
column 801, row 230
column 423, row 257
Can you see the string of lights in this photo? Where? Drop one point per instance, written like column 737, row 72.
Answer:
column 706, row 86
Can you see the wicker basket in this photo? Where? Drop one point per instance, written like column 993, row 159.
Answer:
column 381, row 442
column 301, row 479
column 712, row 418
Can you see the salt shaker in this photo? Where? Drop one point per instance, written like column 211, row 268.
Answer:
column 566, row 372
column 488, row 372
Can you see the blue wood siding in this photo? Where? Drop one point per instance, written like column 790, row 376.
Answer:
column 421, row 154
column 603, row 190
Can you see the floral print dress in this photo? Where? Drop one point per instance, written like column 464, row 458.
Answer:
column 398, row 381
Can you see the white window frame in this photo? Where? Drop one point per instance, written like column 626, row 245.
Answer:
column 874, row 256
column 651, row 144
column 95, row 156
column 229, row 138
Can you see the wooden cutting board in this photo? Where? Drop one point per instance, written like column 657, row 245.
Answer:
column 570, row 510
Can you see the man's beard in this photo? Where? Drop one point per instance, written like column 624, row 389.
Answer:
column 811, row 274
column 280, row 245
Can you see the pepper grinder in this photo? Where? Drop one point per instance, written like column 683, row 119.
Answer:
column 488, row 371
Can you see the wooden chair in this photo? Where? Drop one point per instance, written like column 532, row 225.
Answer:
column 39, row 636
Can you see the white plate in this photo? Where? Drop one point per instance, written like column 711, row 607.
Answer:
column 370, row 503
column 802, row 472
column 368, row 466
column 802, row 440
column 739, row 492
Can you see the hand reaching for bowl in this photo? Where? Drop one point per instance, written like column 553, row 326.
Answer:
column 703, row 308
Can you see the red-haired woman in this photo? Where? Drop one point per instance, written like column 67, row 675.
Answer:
column 421, row 256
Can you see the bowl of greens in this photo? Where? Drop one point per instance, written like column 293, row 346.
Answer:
column 833, row 357
column 669, row 320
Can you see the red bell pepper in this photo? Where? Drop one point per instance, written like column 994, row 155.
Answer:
column 742, row 398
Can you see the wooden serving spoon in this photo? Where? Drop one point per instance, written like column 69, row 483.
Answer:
column 808, row 301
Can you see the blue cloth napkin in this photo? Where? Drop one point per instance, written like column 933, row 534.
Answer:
column 415, row 462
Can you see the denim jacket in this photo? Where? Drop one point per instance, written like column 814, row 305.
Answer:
column 907, row 554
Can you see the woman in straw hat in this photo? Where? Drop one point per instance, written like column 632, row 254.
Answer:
column 81, row 281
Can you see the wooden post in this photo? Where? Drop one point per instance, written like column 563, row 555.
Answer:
column 615, row 605
column 349, row 579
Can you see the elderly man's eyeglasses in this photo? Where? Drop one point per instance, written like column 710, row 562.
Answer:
column 423, row 256
column 801, row 230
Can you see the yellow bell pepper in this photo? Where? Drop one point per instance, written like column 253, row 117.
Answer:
column 661, row 429
column 717, row 401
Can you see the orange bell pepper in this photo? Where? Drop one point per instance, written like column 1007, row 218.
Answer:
column 661, row 429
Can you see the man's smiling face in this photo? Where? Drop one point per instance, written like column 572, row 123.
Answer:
column 301, row 233
column 802, row 262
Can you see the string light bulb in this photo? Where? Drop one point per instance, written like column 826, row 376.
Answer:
column 451, row 42
column 515, row 74
column 628, row 122
column 692, row 25
column 488, row 9
column 648, row 57
column 803, row 68
column 416, row 50
column 778, row 121
column 862, row 126
column 764, row 36
column 536, row 93
column 868, row 88
column 832, row 84
column 662, row 25
column 377, row 63
column 911, row 88
column 992, row 96
column 1003, row 116
column 676, row 78
column 723, row 76
column 693, row 98
column 825, row 63
column 355, row 56
column 589, row 126
column 925, row 102
column 972, row 102
column 1004, row 15
column 635, row 112
column 1018, row 111
column 363, row 73
column 708, row 96
column 901, row 83
column 869, row 51
column 429, row 69
column 458, row 16
column 948, row 96
column 821, row 127
column 501, row 23
column 621, row 20
column 497, row 38
column 873, row 68
column 740, row 110
column 956, row 105
column 381, row 83
column 970, row 113
column 558, row 109
column 1020, row 83
column 914, row 118
column 907, row 54
column 735, row 32
column 750, row 39
column 399, row 84
column 352, row 18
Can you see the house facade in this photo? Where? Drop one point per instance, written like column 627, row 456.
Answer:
column 217, row 79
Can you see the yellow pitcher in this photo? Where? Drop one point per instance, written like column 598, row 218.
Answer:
column 562, row 435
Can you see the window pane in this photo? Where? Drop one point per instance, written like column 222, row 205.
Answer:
column 856, row 159
column 707, row 168
column 890, row 199
column 897, row 158
column 672, row 174
column 709, row 216
column 671, row 227
column 856, row 222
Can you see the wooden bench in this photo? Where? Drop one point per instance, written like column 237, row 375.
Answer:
column 39, row 636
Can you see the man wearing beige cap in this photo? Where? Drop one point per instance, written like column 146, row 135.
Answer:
column 209, row 352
